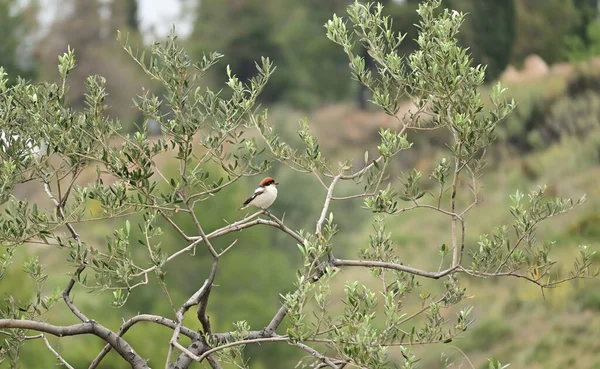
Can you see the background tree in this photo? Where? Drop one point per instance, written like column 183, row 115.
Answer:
column 89, row 27
column 285, row 31
column 204, row 130
column 489, row 32
column 588, row 11
column 542, row 27
column 16, row 24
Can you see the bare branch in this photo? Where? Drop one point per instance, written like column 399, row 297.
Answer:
column 242, row 342
column 362, row 171
column 68, row 300
column 420, row 311
column 279, row 224
column 201, row 231
column 203, row 301
column 350, row 197
column 515, row 274
column 192, row 301
column 228, row 247
column 143, row 318
column 237, row 226
column 268, row 331
column 175, row 226
column 276, row 321
column 214, row 190
column 246, row 341
column 316, row 354
column 196, row 348
column 90, row 327
column 58, row 356
column 173, row 256
column 399, row 267
column 182, row 349
column 59, row 210
column 326, row 204
column 457, row 168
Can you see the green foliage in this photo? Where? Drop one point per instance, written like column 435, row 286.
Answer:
column 495, row 364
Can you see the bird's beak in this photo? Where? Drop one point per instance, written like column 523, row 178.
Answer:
column 276, row 183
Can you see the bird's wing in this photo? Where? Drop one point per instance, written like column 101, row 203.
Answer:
column 257, row 192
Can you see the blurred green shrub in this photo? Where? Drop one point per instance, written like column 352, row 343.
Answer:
column 488, row 333
column 578, row 49
column 587, row 226
column 545, row 115
column 588, row 298
column 575, row 116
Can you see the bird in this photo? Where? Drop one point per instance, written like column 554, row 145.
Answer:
column 264, row 195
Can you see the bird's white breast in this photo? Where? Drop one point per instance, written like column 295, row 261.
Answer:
column 265, row 199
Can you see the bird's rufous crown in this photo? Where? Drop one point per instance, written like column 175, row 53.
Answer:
column 267, row 181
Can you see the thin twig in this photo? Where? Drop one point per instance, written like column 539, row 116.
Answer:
column 455, row 251
column 316, row 354
column 201, row 231
column 67, row 298
column 228, row 247
column 394, row 266
column 326, row 204
column 242, row 342
column 58, row 356
column 237, row 226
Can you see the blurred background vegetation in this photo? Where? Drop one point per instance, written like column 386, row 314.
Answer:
column 546, row 51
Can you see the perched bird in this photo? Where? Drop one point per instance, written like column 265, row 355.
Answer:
column 264, row 195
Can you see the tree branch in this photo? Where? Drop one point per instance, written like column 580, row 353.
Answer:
column 277, row 223
column 143, row 318
column 59, row 210
column 326, row 204
column 201, row 231
column 321, row 219
column 457, row 168
column 58, row 356
column 400, row 267
column 316, row 354
column 90, row 327
column 203, row 301
column 67, row 299
column 197, row 347
column 237, row 226
column 241, row 342
column 192, row 301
